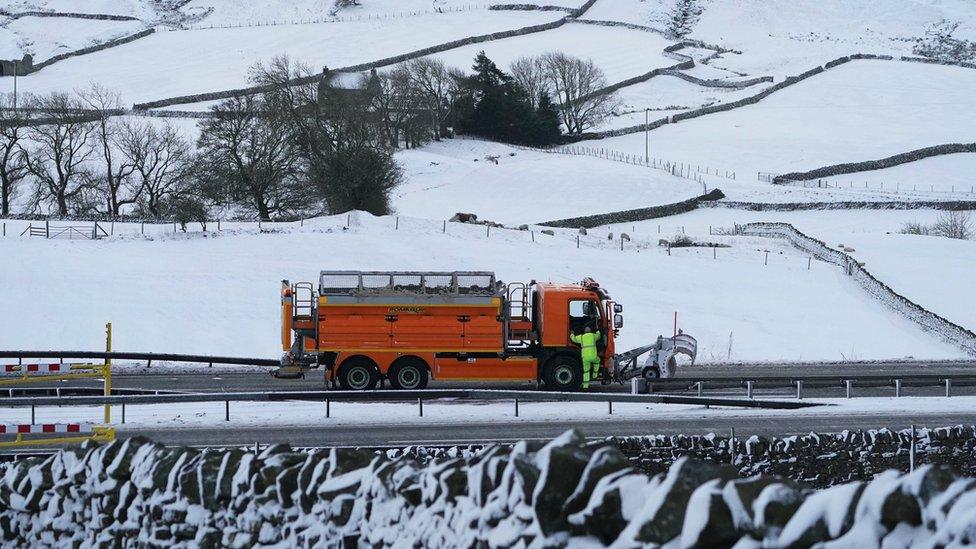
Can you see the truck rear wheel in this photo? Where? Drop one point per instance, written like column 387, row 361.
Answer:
column 563, row 373
column 408, row 374
column 358, row 374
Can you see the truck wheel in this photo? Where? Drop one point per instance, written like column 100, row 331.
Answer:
column 358, row 374
column 564, row 373
column 409, row 374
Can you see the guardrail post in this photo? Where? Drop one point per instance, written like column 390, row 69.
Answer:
column 749, row 389
column 226, row 410
column 420, row 405
column 848, row 383
column 799, row 388
column 948, row 385
column 897, row 387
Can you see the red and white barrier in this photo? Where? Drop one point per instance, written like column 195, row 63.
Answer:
column 11, row 429
column 37, row 368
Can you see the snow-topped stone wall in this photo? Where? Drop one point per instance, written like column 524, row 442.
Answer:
column 137, row 493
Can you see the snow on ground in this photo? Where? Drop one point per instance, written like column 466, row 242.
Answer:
column 948, row 173
column 784, row 37
column 449, row 411
column 858, row 111
column 621, row 53
column 134, row 8
column 667, row 95
column 170, row 63
column 218, row 294
column 932, row 271
column 45, row 37
column 525, row 186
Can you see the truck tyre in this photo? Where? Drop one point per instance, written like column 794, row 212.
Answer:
column 409, row 374
column 563, row 373
column 358, row 374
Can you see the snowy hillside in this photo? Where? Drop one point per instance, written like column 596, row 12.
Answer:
column 217, row 293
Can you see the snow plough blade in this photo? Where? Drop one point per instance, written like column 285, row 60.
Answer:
column 660, row 360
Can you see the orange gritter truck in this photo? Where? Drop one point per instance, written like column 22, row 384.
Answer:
column 365, row 328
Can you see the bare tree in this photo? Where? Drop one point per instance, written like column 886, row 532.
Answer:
column 63, row 144
column 250, row 150
column 530, row 74
column 115, row 180
column 404, row 111
column 160, row 156
column 954, row 224
column 13, row 164
column 433, row 81
column 576, row 84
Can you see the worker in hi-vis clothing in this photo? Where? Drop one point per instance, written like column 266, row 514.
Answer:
column 591, row 360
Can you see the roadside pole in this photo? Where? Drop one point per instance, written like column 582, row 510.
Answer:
column 108, row 372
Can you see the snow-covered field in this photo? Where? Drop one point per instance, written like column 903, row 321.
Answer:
column 45, row 37
column 218, row 293
column 667, row 95
column 455, row 176
column 785, row 37
column 621, row 53
column 930, row 270
column 180, row 62
column 858, row 111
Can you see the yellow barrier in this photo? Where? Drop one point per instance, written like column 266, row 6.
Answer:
column 98, row 434
column 105, row 433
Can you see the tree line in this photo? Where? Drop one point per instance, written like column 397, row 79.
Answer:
column 310, row 143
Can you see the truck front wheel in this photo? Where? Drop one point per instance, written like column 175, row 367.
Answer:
column 358, row 374
column 563, row 373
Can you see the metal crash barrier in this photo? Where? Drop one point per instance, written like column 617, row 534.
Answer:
column 16, row 374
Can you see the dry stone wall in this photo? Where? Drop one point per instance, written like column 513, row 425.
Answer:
column 638, row 214
column 136, row 493
column 854, row 167
column 928, row 320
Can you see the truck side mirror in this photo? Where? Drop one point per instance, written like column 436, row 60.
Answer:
column 618, row 322
column 618, row 308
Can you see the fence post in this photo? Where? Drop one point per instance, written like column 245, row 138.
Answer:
column 732, row 445
column 701, row 388
column 766, row 261
column 328, row 408
column 911, row 452
column 948, row 385
column 610, row 407
column 897, row 387
column 5, row 228
column 577, row 242
column 516, row 408
column 420, row 405
column 47, row 229
column 799, row 389
column 444, row 229
column 32, row 414
column 123, row 412
column 487, row 231
column 749, row 389
column 848, row 383
column 226, row 410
